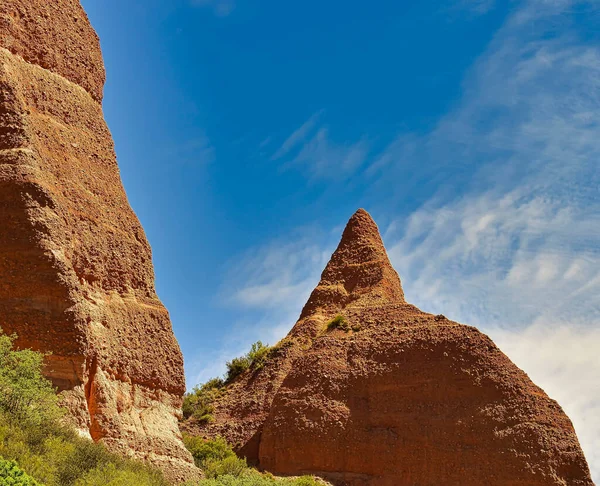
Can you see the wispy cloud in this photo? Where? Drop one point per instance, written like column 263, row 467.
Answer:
column 517, row 253
column 269, row 285
column 278, row 276
column 476, row 7
column 221, row 8
column 298, row 135
column 312, row 149
column 196, row 151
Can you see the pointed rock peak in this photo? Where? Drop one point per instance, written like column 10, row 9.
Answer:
column 361, row 241
column 359, row 272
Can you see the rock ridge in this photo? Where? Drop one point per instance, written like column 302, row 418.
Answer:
column 397, row 397
column 76, row 275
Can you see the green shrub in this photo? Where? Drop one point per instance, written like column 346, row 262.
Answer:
column 207, row 450
column 236, row 367
column 110, row 475
column 222, row 467
column 258, row 354
column 252, row 477
column 255, row 358
column 230, row 466
column 33, row 435
column 199, row 403
column 338, row 322
column 24, row 392
column 12, row 475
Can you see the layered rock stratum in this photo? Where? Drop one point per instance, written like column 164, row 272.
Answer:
column 400, row 397
column 76, row 275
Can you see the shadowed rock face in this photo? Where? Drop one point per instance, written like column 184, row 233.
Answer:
column 76, row 276
column 406, row 398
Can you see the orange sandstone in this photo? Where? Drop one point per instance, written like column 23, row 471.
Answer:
column 404, row 398
column 76, row 276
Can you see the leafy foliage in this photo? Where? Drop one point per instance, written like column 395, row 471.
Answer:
column 33, row 435
column 338, row 322
column 258, row 354
column 208, row 450
column 252, row 477
column 230, row 466
column 255, row 358
column 222, row 467
column 12, row 475
column 199, row 403
column 215, row 457
column 24, row 393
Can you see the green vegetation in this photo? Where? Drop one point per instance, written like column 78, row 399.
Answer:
column 255, row 359
column 25, row 395
column 338, row 322
column 38, row 449
column 34, row 437
column 253, row 478
column 198, row 404
column 207, row 450
column 12, row 475
column 223, row 468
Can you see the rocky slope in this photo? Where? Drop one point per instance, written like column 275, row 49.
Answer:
column 400, row 397
column 76, row 276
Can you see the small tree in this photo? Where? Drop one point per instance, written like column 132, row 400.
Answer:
column 25, row 393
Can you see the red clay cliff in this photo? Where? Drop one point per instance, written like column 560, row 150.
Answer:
column 76, row 276
column 398, row 398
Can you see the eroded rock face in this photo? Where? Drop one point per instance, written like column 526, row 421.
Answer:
column 76, row 276
column 405, row 398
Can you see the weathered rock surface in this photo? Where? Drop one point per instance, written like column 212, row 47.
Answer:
column 76, row 276
column 406, row 398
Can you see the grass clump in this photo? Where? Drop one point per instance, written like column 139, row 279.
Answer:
column 34, row 436
column 338, row 322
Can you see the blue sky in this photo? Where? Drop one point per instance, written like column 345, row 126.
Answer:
column 248, row 132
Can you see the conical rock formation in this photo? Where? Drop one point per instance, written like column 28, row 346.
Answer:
column 76, row 276
column 400, row 397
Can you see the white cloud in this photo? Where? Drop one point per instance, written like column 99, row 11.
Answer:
column 298, row 135
column 221, row 8
column 563, row 360
column 270, row 285
column 517, row 253
column 197, row 151
column 313, row 150
column 477, row 7
column 279, row 275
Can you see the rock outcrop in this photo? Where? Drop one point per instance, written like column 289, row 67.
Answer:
column 76, row 276
column 398, row 397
